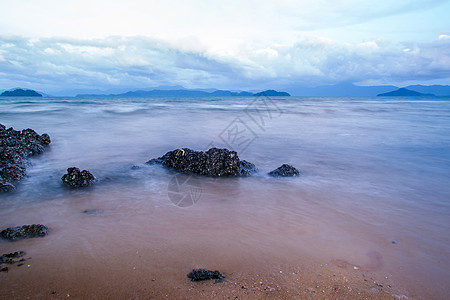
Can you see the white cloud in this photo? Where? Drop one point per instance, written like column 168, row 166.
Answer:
column 232, row 44
column 52, row 64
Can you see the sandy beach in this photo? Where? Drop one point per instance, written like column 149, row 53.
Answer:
column 137, row 251
column 151, row 274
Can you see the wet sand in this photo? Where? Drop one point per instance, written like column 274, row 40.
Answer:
column 144, row 275
column 143, row 246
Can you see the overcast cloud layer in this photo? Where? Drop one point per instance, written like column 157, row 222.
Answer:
column 64, row 46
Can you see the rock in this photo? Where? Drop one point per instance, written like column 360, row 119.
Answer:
column 12, row 173
column 246, row 168
column 6, row 186
column 202, row 274
column 214, row 162
column 155, row 161
column 15, row 146
column 76, row 178
column 93, row 211
column 24, row 232
column 285, row 171
column 11, row 258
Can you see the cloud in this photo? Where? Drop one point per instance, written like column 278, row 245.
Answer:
column 57, row 64
column 102, row 63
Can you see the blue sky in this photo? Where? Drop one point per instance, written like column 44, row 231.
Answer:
column 63, row 47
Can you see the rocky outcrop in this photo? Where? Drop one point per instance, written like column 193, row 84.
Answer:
column 214, row 162
column 76, row 178
column 202, row 274
column 11, row 258
column 15, row 147
column 285, row 171
column 24, row 232
column 5, row 186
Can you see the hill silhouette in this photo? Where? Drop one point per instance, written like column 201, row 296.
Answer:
column 20, row 93
column 402, row 92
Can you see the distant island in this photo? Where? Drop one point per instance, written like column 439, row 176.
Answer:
column 189, row 93
column 272, row 93
column 403, row 92
column 20, row 93
column 347, row 89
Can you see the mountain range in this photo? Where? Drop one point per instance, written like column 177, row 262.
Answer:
column 338, row 90
column 189, row 93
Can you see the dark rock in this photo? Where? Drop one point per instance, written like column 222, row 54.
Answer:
column 202, row 274
column 11, row 258
column 246, row 168
column 155, row 161
column 6, row 186
column 93, row 211
column 76, row 178
column 24, row 232
column 15, row 146
column 214, row 162
column 285, row 171
column 12, row 172
column 5, row 269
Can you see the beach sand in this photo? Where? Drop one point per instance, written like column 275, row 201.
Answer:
column 139, row 251
column 148, row 275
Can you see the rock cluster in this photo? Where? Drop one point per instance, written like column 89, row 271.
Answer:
column 202, row 274
column 285, row 171
column 24, row 232
column 10, row 259
column 214, row 162
column 76, row 178
column 15, row 147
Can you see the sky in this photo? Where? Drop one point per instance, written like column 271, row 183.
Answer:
column 65, row 47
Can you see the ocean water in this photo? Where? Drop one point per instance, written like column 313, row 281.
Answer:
column 374, row 190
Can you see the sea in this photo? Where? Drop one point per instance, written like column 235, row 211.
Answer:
column 373, row 193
